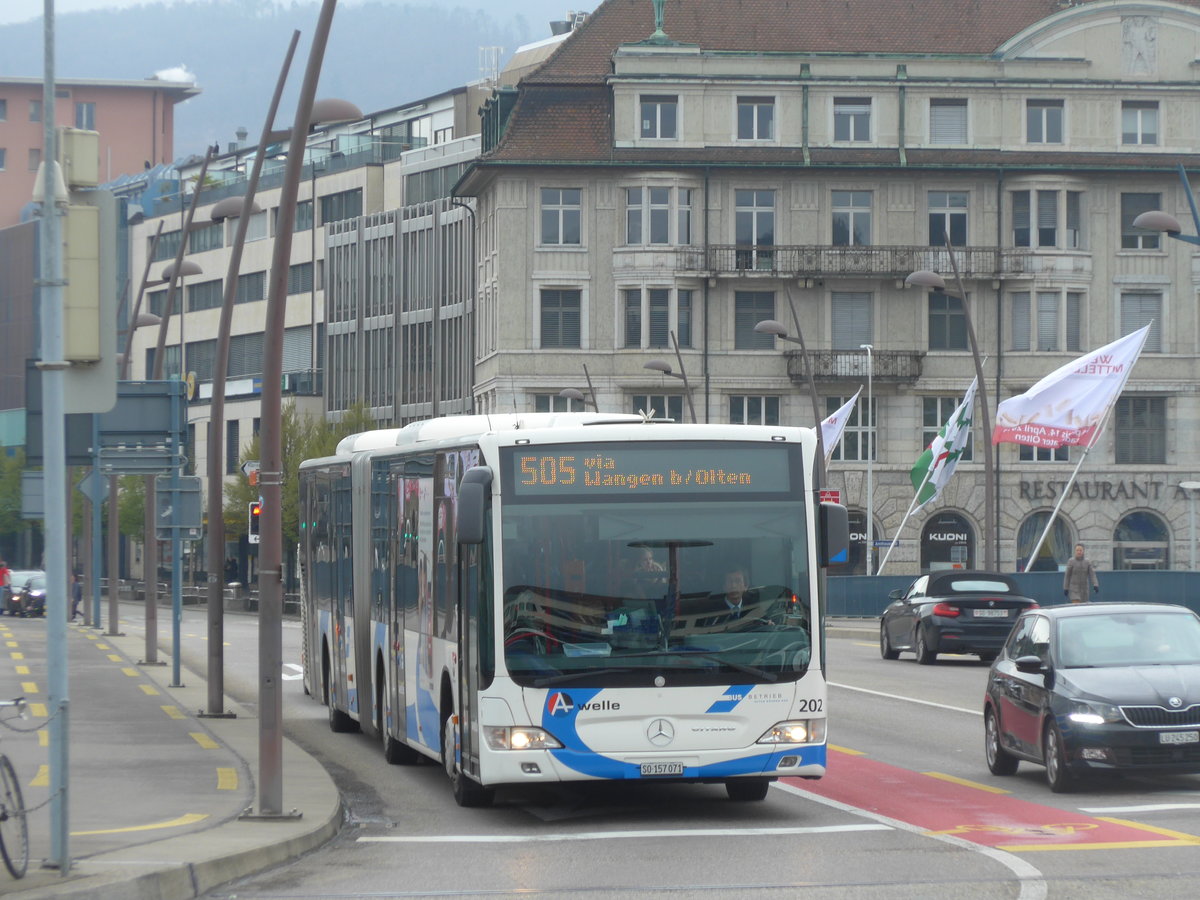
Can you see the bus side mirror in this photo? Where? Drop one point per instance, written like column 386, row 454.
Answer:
column 833, row 535
column 473, row 493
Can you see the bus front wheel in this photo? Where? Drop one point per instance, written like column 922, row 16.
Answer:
column 747, row 789
column 467, row 791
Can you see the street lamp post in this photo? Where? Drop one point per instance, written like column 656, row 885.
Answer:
column 869, row 538
column 933, row 281
column 663, row 367
column 576, row 395
column 770, row 326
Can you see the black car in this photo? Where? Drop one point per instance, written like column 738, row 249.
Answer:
column 32, row 600
column 956, row 611
column 12, row 591
column 1096, row 687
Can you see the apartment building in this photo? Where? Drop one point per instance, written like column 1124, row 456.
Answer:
column 681, row 180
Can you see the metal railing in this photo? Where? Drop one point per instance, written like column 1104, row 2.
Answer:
column 813, row 261
column 887, row 365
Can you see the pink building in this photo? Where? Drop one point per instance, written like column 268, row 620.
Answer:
column 135, row 120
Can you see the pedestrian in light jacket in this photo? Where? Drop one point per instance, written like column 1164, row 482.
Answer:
column 1079, row 572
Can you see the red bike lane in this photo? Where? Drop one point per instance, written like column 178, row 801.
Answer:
column 981, row 813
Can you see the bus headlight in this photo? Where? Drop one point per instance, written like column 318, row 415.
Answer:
column 517, row 737
column 795, row 731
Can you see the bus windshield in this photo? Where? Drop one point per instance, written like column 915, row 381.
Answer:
column 687, row 586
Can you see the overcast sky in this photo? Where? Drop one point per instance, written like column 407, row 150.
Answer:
column 24, row 10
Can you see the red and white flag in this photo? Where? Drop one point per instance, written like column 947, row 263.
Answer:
column 833, row 426
column 1069, row 405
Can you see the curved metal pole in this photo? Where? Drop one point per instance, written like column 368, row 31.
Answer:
column 812, row 386
column 216, row 424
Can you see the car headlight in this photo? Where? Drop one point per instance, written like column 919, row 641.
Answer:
column 1084, row 713
column 517, row 737
column 795, row 731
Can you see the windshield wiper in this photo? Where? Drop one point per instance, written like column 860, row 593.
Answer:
column 714, row 657
column 551, row 680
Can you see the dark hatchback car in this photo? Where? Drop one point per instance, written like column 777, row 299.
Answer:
column 33, row 596
column 1096, row 687
column 956, row 611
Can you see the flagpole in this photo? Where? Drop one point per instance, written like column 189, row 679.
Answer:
column 911, row 510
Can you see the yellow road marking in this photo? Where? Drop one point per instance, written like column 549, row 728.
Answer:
column 1115, row 845
column 115, row 657
column 204, row 740
column 16, row 655
column 965, row 783
column 838, row 749
column 13, row 644
column 1165, row 832
column 30, row 687
column 149, row 689
column 189, row 819
column 92, row 637
column 102, row 646
column 173, row 712
column 22, row 670
column 131, row 672
column 864, row 643
column 38, row 710
column 42, row 778
column 43, row 737
column 227, row 779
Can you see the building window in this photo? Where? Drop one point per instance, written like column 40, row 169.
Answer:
column 851, row 317
column 664, row 406
column 251, row 287
column 300, row 278
column 35, row 158
column 3, row 110
column 155, row 301
column 852, row 118
column 858, row 437
column 554, row 403
column 750, row 308
column 85, row 116
column 560, row 318
column 753, row 410
column 442, row 135
column 1044, row 454
column 1139, row 122
column 562, row 211
column 1141, row 432
column 256, row 228
column 3, row 154
column 947, row 216
column 1053, row 318
column 342, row 205
column 754, row 223
column 1132, row 206
column 35, row 110
column 206, row 295
column 207, row 237
column 650, row 212
column 936, row 412
column 851, row 218
column 1139, row 309
column 167, row 246
column 650, row 318
column 1044, row 121
column 947, row 121
column 232, row 447
column 755, row 118
column 659, row 116
column 947, row 322
column 1036, row 218
column 304, row 216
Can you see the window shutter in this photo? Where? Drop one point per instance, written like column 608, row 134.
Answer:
column 1137, row 311
column 851, row 319
column 947, row 122
column 1020, row 320
column 1074, row 319
column 1047, row 320
column 297, row 349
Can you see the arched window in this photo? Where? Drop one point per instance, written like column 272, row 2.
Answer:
column 1055, row 550
column 1141, row 541
column 947, row 542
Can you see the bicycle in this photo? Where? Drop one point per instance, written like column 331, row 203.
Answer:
column 14, row 829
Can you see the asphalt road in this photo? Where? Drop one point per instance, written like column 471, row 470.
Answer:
column 908, row 810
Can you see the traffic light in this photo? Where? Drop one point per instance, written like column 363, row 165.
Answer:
column 255, row 514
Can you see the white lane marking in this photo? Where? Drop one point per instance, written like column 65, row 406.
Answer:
column 610, row 835
column 1149, row 807
column 1033, row 883
column 297, row 670
column 973, row 712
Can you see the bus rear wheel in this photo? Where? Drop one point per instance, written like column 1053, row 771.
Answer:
column 746, row 790
column 467, row 791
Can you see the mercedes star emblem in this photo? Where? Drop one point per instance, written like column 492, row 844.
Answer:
column 661, row 732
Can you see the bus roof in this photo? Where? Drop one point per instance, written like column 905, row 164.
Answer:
column 468, row 426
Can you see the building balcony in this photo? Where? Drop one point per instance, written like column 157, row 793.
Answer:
column 892, row 366
column 811, row 261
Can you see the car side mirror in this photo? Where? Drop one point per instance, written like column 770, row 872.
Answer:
column 1031, row 665
column 896, row 594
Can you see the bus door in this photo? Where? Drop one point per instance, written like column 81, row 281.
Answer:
column 341, row 660
column 466, row 569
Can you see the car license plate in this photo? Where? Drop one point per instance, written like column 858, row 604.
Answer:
column 662, row 768
column 1179, row 737
column 991, row 613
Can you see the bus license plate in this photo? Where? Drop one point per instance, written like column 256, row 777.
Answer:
column 991, row 613
column 1174, row 737
column 662, row 768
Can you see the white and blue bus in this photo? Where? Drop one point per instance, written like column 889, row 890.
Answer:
column 553, row 597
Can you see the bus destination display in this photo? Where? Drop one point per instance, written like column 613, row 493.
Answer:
column 720, row 470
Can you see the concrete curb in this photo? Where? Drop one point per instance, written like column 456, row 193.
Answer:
column 189, row 865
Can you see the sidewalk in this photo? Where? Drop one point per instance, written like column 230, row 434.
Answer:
column 155, row 790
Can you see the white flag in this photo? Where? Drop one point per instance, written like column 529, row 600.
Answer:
column 1069, row 404
column 935, row 466
column 833, row 427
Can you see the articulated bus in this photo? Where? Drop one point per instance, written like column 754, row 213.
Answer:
column 555, row 597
